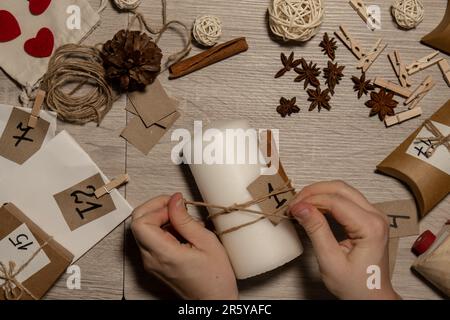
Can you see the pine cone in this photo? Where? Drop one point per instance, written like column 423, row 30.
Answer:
column 131, row 60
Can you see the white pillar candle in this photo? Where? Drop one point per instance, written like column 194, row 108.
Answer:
column 256, row 248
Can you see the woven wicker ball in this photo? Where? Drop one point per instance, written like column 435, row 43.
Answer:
column 297, row 20
column 207, row 30
column 407, row 13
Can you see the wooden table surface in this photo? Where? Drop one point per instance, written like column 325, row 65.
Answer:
column 341, row 144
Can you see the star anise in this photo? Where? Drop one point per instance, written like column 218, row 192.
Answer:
column 308, row 73
column 287, row 107
column 382, row 103
column 319, row 99
column 333, row 74
column 362, row 86
column 288, row 64
column 328, row 46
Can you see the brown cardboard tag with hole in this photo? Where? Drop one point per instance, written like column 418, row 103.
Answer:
column 18, row 141
column 80, row 206
column 403, row 217
column 266, row 184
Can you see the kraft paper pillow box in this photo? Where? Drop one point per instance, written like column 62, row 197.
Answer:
column 427, row 177
column 20, row 239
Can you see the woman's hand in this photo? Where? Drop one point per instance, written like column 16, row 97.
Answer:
column 344, row 265
column 198, row 269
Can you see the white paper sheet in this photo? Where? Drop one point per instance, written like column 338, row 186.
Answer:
column 18, row 247
column 61, row 164
column 441, row 157
column 6, row 165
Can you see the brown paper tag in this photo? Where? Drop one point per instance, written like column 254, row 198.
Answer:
column 403, row 217
column 18, row 141
column 153, row 104
column 79, row 205
column 143, row 138
column 265, row 184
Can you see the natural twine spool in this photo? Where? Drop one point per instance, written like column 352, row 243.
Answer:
column 297, row 20
column 207, row 30
column 82, row 67
column 408, row 13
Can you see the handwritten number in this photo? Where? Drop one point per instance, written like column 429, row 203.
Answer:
column 92, row 205
column 23, row 137
column 18, row 242
column 279, row 203
column 394, row 223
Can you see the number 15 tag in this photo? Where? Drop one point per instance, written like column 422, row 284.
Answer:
column 18, row 247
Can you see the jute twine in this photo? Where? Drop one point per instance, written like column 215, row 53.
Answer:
column 244, row 207
column 207, row 30
column 9, row 274
column 436, row 141
column 82, row 67
column 297, row 20
column 408, row 13
column 143, row 25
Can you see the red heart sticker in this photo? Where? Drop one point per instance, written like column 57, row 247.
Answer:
column 9, row 27
column 42, row 45
column 38, row 7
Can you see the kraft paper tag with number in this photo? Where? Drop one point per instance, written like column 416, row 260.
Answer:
column 80, row 206
column 18, row 247
column 266, row 184
column 18, row 141
column 403, row 217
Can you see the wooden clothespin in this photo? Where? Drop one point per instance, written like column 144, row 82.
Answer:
column 423, row 63
column 399, row 68
column 349, row 42
column 402, row 91
column 420, row 92
column 366, row 59
column 114, row 184
column 360, row 7
column 445, row 68
column 402, row 116
column 370, row 57
column 35, row 112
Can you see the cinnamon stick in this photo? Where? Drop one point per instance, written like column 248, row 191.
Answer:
column 208, row 57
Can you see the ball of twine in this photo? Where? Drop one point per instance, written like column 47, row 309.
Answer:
column 207, row 30
column 127, row 4
column 297, row 20
column 76, row 86
column 408, row 13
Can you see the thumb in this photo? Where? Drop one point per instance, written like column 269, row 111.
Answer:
column 318, row 230
column 193, row 231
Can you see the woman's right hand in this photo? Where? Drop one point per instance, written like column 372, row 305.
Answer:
column 347, row 265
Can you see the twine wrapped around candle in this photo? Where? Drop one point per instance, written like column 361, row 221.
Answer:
column 9, row 275
column 245, row 207
column 437, row 140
